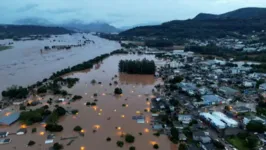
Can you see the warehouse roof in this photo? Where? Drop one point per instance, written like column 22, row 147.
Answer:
column 217, row 122
column 8, row 120
column 224, row 118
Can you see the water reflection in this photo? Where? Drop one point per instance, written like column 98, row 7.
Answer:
column 136, row 79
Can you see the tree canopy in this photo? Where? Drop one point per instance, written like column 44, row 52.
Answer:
column 137, row 66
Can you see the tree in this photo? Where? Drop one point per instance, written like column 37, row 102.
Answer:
column 174, row 135
column 74, row 111
column 108, row 139
column 120, row 143
column 252, row 141
column 156, row 146
column 182, row 146
column 118, row 91
column 31, row 143
column 93, row 81
column 132, row 148
column 255, row 126
column 137, row 66
column 60, row 111
column 77, row 128
column 54, row 128
column 42, row 89
column 15, row 92
column 57, row 146
column 76, row 97
column 129, row 138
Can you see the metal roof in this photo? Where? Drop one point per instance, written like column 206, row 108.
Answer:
column 8, row 120
column 217, row 122
column 230, row 122
column 211, row 98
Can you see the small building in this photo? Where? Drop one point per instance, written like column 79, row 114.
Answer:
column 197, row 135
column 3, row 134
column 227, row 91
column 228, row 121
column 61, row 100
column 211, row 99
column 5, row 141
column 50, row 139
column 22, row 131
column 182, row 137
column 185, row 119
column 262, row 86
column 157, row 127
column 10, row 119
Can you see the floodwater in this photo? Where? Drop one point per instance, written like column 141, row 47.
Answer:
column 106, row 116
column 24, row 64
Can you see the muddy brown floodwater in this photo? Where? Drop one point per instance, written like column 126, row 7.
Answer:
column 24, row 64
column 107, row 116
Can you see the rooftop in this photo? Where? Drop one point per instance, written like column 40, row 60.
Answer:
column 8, row 120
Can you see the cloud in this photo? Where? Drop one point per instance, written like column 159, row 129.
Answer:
column 28, row 7
column 117, row 12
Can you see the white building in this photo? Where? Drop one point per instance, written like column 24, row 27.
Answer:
column 228, row 121
column 263, row 87
column 214, row 121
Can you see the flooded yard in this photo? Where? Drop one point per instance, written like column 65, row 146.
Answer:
column 108, row 118
column 24, row 64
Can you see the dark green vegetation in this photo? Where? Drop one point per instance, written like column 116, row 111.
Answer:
column 54, row 128
column 129, row 138
column 156, row 146
column 118, row 91
column 33, row 116
column 261, row 107
column 31, row 143
column 132, row 148
column 108, row 139
column 15, row 92
column 137, row 66
column 175, row 135
column 244, row 141
column 206, row 26
column 33, row 130
column 57, row 146
column 156, row 134
column 182, row 146
column 77, row 128
column 176, row 79
column 2, row 48
column 120, row 143
column 18, row 31
column 256, row 126
column 76, row 97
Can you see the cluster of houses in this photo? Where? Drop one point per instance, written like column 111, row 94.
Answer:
column 209, row 97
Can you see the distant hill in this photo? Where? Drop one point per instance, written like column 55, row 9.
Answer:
column 91, row 27
column 243, row 13
column 12, row 31
column 206, row 25
column 75, row 24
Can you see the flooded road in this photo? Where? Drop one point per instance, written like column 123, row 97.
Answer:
column 24, row 64
column 108, row 118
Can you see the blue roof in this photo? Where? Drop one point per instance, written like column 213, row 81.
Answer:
column 8, row 120
column 211, row 98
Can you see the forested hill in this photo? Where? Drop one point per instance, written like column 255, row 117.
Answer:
column 11, row 31
column 206, row 26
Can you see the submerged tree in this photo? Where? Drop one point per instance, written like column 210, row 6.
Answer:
column 137, row 66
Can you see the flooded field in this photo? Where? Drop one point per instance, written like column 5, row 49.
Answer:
column 108, row 118
column 24, row 64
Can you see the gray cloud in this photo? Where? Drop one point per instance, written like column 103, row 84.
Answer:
column 27, row 7
column 117, row 12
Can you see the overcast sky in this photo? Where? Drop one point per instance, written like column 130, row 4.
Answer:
column 117, row 12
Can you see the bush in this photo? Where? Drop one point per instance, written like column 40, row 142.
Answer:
column 57, row 146
column 54, row 128
column 120, row 143
column 93, row 81
column 33, row 130
column 95, row 94
column 42, row 89
column 108, row 139
column 93, row 104
column 132, row 148
column 129, row 138
column 156, row 146
column 74, row 112
column 88, row 103
column 140, row 133
column 156, row 134
column 77, row 128
column 118, row 91
column 183, row 146
column 31, row 143
column 76, row 97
